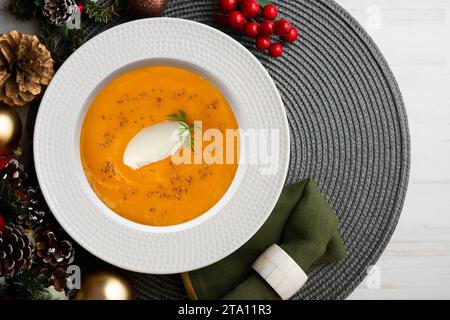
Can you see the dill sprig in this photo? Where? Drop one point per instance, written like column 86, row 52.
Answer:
column 180, row 117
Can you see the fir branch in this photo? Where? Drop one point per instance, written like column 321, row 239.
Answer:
column 47, row 37
column 73, row 41
column 3, row 287
column 11, row 205
column 103, row 13
column 60, row 49
column 29, row 285
column 24, row 9
column 76, row 39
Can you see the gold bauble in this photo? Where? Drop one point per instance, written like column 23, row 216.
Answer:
column 10, row 128
column 105, row 285
column 147, row 8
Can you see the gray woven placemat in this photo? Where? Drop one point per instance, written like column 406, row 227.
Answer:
column 349, row 132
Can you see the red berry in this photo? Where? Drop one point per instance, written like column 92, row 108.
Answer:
column 252, row 29
column 81, row 7
column 2, row 223
column 262, row 43
column 282, row 27
column 267, row 27
column 222, row 18
column 250, row 8
column 21, row 195
column 4, row 161
column 228, row 5
column 270, row 12
column 276, row 50
column 291, row 36
column 236, row 20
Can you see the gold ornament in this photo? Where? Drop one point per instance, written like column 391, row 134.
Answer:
column 10, row 128
column 105, row 285
column 25, row 68
column 147, row 8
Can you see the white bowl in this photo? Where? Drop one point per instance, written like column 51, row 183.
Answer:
column 158, row 41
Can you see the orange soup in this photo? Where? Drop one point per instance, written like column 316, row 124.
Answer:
column 161, row 193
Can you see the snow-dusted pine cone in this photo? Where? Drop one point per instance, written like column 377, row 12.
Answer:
column 53, row 245
column 13, row 174
column 16, row 251
column 34, row 210
column 59, row 12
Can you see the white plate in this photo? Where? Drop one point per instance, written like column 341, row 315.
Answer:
column 162, row 250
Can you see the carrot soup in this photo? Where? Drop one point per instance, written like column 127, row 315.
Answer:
column 162, row 193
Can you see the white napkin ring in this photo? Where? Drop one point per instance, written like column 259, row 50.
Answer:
column 280, row 271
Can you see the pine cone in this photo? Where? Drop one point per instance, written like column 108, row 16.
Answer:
column 59, row 12
column 35, row 209
column 25, row 67
column 13, row 174
column 16, row 251
column 57, row 277
column 53, row 246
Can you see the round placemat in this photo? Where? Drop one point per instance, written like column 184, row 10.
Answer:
column 349, row 133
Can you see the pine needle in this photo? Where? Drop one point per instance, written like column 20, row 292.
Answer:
column 103, row 13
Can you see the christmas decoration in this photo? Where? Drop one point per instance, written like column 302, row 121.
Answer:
column 282, row 27
column 25, row 68
column 34, row 209
column 2, row 223
column 228, row 5
column 57, row 277
column 252, row 29
column 52, row 294
column 53, row 246
column 236, row 20
column 11, row 178
column 12, row 174
column 262, row 43
column 105, row 285
column 59, row 12
column 27, row 285
column 103, row 14
column 276, row 50
column 248, row 17
column 291, row 36
column 250, row 8
column 4, row 158
column 34, row 250
column 16, row 251
column 267, row 27
column 10, row 129
column 55, row 16
column 147, row 8
column 269, row 12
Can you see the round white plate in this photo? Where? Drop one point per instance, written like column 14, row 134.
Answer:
column 162, row 250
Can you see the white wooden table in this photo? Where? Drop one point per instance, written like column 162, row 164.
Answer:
column 414, row 36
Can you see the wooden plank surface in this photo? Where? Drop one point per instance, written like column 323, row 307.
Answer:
column 414, row 36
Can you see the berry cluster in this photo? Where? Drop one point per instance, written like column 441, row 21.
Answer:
column 246, row 16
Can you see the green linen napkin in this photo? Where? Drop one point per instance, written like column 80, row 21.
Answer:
column 302, row 223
